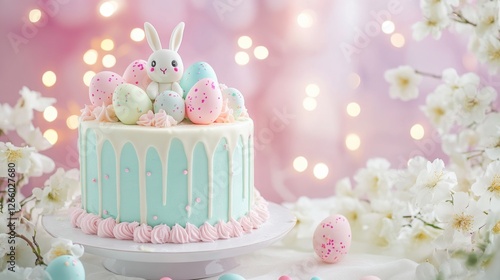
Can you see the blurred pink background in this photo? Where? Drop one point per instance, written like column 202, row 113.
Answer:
column 298, row 95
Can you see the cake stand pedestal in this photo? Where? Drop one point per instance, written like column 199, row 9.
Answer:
column 177, row 261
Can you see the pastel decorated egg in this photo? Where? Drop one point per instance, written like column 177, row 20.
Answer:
column 235, row 101
column 204, row 102
column 172, row 103
column 102, row 86
column 130, row 103
column 66, row 267
column 194, row 73
column 332, row 238
column 231, row 276
column 137, row 74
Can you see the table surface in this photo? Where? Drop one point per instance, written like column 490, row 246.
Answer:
column 277, row 260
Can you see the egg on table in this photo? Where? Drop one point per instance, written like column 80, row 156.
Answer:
column 204, row 102
column 172, row 103
column 231, row 276
column 136, row 74
column 130, row 103
column 332, row 238
column 66, row 267
column 102, row 86
column 194, row 73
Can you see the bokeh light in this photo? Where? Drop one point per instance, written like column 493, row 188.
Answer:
column 108, row 61
column 90, row 57
column 417, row 131
column 261, row 52
column 107, row 44
column 244, row 42
column 388, row 27
column 49, row 78
column 51, row 136
column 354, row 80
column 137, row 34
column 72, row 122
column 353, row 109
column 306, row 19
column 242, row 58
column 87, row 77
column 300, row 164
column 309, row 103
column 35, row 15
column 397, row 40
column 320, row 171
column 108, row 8
column 312, row 90
column 352, row 142
column 50, row 113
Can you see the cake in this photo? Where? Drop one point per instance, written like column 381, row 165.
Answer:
column 166, row 155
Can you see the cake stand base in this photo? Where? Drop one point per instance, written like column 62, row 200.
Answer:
column 177, row 261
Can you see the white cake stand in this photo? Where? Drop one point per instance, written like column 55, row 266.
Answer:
column 177, row 261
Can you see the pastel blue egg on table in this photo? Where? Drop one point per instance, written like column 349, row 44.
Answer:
column 194, row 73
column 231, row 276
column 66, row 267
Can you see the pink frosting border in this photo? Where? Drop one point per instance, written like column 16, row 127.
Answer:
column 142, row 233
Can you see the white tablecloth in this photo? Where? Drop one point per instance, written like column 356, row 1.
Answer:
column 272, row 262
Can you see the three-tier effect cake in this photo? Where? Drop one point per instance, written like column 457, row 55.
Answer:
column 166, row 154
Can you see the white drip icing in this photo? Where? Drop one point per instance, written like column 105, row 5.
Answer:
column 142, row 138
column 83, row 170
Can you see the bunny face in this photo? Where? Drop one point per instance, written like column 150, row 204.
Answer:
column 165, row 66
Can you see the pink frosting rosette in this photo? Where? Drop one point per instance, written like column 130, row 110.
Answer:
column 208, row 233
column 125, row 231
column 87, row 114
column 147, row 119
column 142, row 233
column 105, row 113
column 178, row 234
column 160, row 234
column 159, row 119
column 193, row 233
column 226, row 115
column 223, row 230
column 89, row 222
column 76, row 217
column 236, row 229
column 105, row 227
column 246, row 224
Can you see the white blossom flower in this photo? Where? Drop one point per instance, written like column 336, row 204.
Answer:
column 439, row 110
column 33, row 137
column 435, row 20
column 61, row 247
column 40, row 164
column 453, row 82
column 22, row 113
column 58, row 191
column 5, row 112
column 20, row 156
column 344, row 188
column 489, row 53
column 487, row 19
column 29, row 273
column 462, row 218
column 404, row 82
column 417, row 239
column 473, row 104
column 487, row 186
column 434, row 183
column 375, row 179
column 489, row 136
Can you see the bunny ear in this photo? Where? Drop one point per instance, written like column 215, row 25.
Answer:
column 152, row 37
column 176, row 37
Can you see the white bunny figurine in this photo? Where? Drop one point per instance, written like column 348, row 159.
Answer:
column 165, row 66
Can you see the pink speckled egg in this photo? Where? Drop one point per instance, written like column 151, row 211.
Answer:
column 204, row 102
column 102, row 86
column 137, row 74
column 332, row 238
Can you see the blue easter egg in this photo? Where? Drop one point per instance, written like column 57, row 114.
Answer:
column 235, row 101
column 194, row 73
column 66, row 267
column 231, row 276
column 172, row 103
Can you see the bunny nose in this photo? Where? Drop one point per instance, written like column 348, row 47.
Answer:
column 163, row 70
